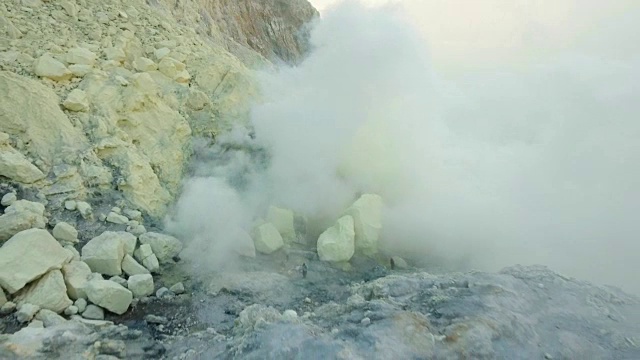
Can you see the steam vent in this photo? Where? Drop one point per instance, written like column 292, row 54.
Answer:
column 285, row 179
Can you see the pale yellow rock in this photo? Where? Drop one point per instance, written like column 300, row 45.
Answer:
column 76, row 274
column 81, row 56
column 76, row 101
column 17, row 167
column 47, row 66
column 80, row 70
column 31, row 113
column 48, row 292
column 267, row 239
column 283, row 220
column 367, row 217
column 144, row 64
column 171, row 67
column 336, row 244
column 161, row 53
column 115, row 54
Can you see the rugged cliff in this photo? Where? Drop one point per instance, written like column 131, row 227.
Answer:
column 106, row 96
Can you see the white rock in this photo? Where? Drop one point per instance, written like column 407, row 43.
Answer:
column 133, row 214
column 8, row 199
column 145, row 255
column 129, row 240
column 27, row 312
column 76, row 275
column 177, row 288
column 118, row 280
column 399, row 262
column 17, row 167
column 131, row 267
column 50, row 318
column 137, row 230
column 283, row 220
column 48, row 292
column 80, row 70
column 165, row 247
column 161, row 53
column 289, row 315
column 71, row 310
column 15, row 222
column 104, row 253
column 141, row 285
column 7, row 308
column 27, row 256
column 367, row 219
column 117, row 218
column 267, row 239
column 81, row 304
column 47, row 66
column 109, row 295
column 170, row 67
column 74, row 253
column 81, row 56
column 76, row 101
column 116, row 210
column 144, row 64
column 25, row 206
column 3, row 298
column 115, row 54
column 70, row 205
column 93, row 312
column 336, row 244
column 85, row 209
column 65, row 232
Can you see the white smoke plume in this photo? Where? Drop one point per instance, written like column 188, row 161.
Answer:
column 482, row 166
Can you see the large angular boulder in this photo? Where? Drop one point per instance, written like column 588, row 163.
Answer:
column 165, row 247
column 28, row 255
column 283, row 220
column 337, row 244
column 48, row 292
column 13, row 223
column 145, row 255
column 109, row 295
column 140, row 285
column 76, row 274
column 267, row 239
column 105, row 252
column 47, row 66
column 367, row 219
column 16, row 166
column 131, row 267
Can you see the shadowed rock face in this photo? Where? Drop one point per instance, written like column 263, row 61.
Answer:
column 273, row 28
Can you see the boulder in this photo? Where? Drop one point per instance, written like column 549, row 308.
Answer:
column 84, row 209
column 105, row 252
column 76, row 275
column 16, row 166
column 81, row 56
column 26, row 312
column 336, row 244
column 144, row 64
column 76, row 101
column 145, row 255
column 47, row 66
column 13, row 223
column 48, row 292
column 140, row 285
column 118, row 280
column 25, row 206
column 50, row 318
column 93, row 312
column 367, row 220
column 65, row 232
column 116, row 218
column 399, row 262
column 109, row 295
column 81, row 304
column 131, row 267
column 129, row 240
column 177, row 288
column 80, row 70
column 283, row 220
column 165, row 247
column 27, row 256
column 8, row 199
column 267, row 239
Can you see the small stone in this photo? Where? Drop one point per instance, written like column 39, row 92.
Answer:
column 50, row 318
column 80, row 70
column 143, row 64
column 112, row 347
column 115, row 54
column 133, row 214
column 116, row 218
column 7, row 308
column 8, row 199
column 289, row 315
column 307, row 300
column 102, row 217
column 163, row 292
column 27, row 312
column 399, row 262
column 137, row 230
column 76, row 101
column 71, row 310
column 81, row 304
column 70, row 205
column 65, row 232
column 47, row 66
column 116, row 210
column 366, row 321
column 81, row 56
column 153, row 319
column 93, row 312
column 177, row 288
column 161, row 53
column 85, row 209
